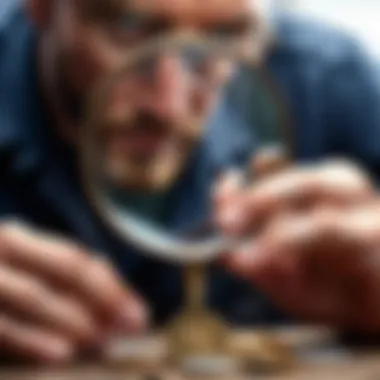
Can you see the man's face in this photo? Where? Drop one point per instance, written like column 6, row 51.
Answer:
column 151, row 123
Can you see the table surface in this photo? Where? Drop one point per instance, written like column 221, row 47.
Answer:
column 318, row 358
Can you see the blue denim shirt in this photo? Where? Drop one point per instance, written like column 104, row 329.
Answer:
column 332, row 90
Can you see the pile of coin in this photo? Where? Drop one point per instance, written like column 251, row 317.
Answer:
column 195, row 333
column 199, row 342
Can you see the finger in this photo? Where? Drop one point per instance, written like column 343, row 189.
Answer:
column 226, row 193
column 30, row 342
column 333, row 238
column 31, row 298
column 71, row 266
column 260, row 202
column 343, row 182
column 228, row 186
column 298, row 189
column 288, row 265
column 288, row 243
column 358, row 226
column 265, row 162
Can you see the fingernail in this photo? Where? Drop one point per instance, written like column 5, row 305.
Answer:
column 232, row 219
column 134, row 317
column 227, row 184
column 247, row 258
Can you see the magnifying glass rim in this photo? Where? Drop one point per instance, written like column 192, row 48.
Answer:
column 164, row 247
column 158, row 244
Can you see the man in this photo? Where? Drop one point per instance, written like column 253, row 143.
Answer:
column 318, row 225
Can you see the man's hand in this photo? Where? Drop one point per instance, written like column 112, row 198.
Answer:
column 315, row 242
column 56, row 299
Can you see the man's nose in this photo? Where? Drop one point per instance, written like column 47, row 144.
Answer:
column 166, row 89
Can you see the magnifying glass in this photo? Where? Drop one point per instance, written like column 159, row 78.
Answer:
column 147, row 124
column 127, row 151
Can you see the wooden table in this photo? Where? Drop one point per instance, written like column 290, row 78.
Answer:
column 318, row 358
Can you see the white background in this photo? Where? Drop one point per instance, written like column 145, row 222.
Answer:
column 362, row 17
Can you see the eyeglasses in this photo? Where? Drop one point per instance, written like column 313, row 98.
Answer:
column 192, row 52
column 198, row 57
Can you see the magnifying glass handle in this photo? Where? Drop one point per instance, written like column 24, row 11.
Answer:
column 195, row 278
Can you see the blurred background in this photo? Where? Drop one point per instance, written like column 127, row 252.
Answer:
column 360, row 17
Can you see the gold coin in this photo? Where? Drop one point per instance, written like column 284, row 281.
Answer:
column 263, row 352
column 196, row 333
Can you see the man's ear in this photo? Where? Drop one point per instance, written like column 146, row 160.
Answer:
column 39, row 11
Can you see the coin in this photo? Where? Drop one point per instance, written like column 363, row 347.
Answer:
column 209, row 365
column 138, row 352
column 196, row 332
column 263, row 352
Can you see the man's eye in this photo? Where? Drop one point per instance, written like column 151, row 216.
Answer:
column 229, row 31
column 130, row 28
column 129, row 24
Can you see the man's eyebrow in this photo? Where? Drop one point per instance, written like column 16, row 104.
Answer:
column 106, row 6
column 240, row 22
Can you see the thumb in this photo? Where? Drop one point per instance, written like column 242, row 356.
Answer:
column 227, row 187
column 226, row 196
